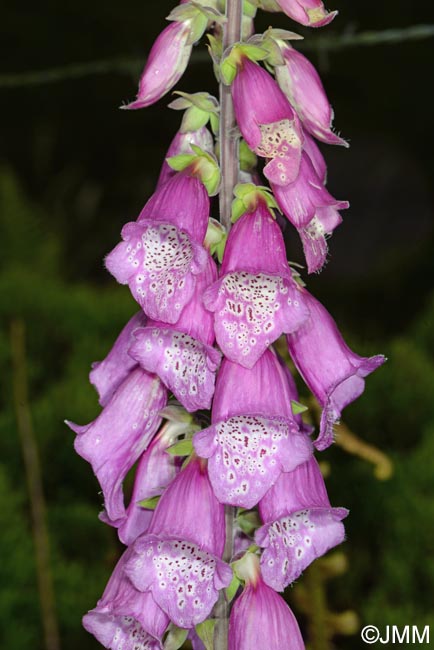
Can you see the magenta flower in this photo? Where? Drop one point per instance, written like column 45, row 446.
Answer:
column 301, row 83
column 333, row 373
column 116, row 439
column 256, row 298
column 182, row 355
column 181, row 144
column 312, row 210
column 300, row 525
column 316, row 158
column 260, row 618
column 166, row 64
column 254, row 437
column 125, row 617
column 311, row 13
column 177, row 561
column 267, row 121
column 107, row 375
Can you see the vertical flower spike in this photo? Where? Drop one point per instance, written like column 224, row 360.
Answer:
column 256, row 298
column 166, row 64
column 333, row 373
column 107, row 375
column 254, row 437
column 260, row 618
column 181, row 144
column 301, row 525
column 182, row 355
column 266, row 120
column 125, row 617
column 311, row 13
column 177, row 561
column 115, row 440
column 301, row 83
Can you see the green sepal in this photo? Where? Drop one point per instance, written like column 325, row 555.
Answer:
column 175, row 638
column 216, row 47
column 248, row 521
column 181, row 162
column 193, row 120
column 267, row 5
column 249, row 9
column 215, row 123
column 203, row 165
column 181, row 448
column 228, row 71
column 198, row 15
column 248, row 159
column 215, row 238
column 149, row 504
column 176, row 413
column 232, row 589
column 205, row 632
column 247, row 198
column 298, row 408
column 199, row 107
column 233, row 57
column 253, row 52
column 242, row 567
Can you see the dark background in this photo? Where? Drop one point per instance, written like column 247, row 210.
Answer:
column 73, row 169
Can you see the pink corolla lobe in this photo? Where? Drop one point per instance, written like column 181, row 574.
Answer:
column 334, row 374
column 311, row 13
column 165, row 66
column 116, row 439
column 268, row 123
column 256, row 298
column 300, row 525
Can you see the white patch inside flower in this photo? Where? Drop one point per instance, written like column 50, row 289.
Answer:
column 130, row 635
column 277, row 139
column 315, row 229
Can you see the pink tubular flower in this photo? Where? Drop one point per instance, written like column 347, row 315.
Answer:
column 107, row 375
column 333, row 373
column 311, row 13
column 181, row 144
column 312, row 210
column 182, row 355
column 300, row 525
column 256, row 298
column 267, row 121
column 115, row 440
column 165, row 66
column 260, row 618
column 254, row 437
column 177, row 561
column 125, row 617
column 302, row 85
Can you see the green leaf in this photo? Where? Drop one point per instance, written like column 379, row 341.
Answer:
column 149, row 504
column 176, row 638
column 181, row 448
column 205, row 632
column 298, row 408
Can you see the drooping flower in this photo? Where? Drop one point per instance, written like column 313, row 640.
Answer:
column 125, row 617
column 116, row 439
column 256, row 298
column 260, row 618
column 267, row 121
column 301, row 83
column 166, row 64
column 182, row 355
column 311, row 13
column 107, row 375
column 181, row 144
column 254, row 436
column 177, row 561
column 300, row 525
column 161, row 254
column 333, row 373
column 312, row 210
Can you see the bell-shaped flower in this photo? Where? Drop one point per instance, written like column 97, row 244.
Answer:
column 316, row 158
column 182, row 355
column 116, row 439
column 165, row 65
column 260, row 618
column 125, row 617
column 107, row 375
column 161, row 254
column 312, row 210
column 177, row 560
column 311, row 13
column 256, row 299
column 300, row 525
column 301, row 83
column 333, row 373
column 267, row 121
column 254, row 436
column 181, row 144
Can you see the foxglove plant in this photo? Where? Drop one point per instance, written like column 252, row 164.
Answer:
column 228, row 500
